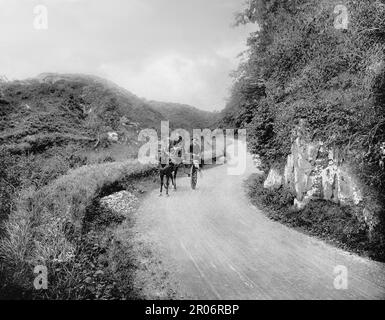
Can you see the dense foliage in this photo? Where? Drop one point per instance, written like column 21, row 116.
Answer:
column 299, row 66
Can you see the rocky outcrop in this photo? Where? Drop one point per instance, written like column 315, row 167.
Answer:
column 274, row 180
column 313, row 171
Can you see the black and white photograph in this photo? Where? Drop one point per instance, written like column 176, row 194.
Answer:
column 192, row 155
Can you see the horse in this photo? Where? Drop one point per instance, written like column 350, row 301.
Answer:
column 166, row 169
column 169, row 163
column 176, row 153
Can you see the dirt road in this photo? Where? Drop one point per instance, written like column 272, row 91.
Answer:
column 215, row 245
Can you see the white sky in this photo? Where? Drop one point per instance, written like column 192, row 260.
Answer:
column 168, row 50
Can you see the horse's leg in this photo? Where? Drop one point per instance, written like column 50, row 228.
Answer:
column 172, row 180
column 175, row 173
column 161, row 183
column 172, row 175
column 167, row 184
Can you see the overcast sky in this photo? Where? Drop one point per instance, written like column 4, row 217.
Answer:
column 167, row 50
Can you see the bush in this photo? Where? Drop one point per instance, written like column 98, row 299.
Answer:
column 277, row 199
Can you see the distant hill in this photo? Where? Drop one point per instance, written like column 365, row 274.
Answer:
column 185, row 116
column 53, row 122
column 59, row 108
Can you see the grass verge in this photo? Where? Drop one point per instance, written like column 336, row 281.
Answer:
column 50, row 227
column 329, row 221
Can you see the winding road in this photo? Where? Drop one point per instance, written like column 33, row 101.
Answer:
column 216, row 245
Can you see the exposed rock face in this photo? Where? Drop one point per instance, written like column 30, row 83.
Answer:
column 313, row 171
column 274, row 180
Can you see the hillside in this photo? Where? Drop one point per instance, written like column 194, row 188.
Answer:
column 59, row 109
column 79, row 107
column 57, row 161
column 301, row 66
column 311, row 96
column 185, row 116
column 52, row 123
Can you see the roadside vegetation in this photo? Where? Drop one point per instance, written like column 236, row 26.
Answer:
column 299, row 66
column 323, row 219
column 51, row 227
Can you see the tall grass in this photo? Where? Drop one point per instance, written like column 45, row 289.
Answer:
column 46, row 225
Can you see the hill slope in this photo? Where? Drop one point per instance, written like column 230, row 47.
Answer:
column 78, row 108
column 185, row 116
column 48, row 126
column 318, row 66
column 51, row 123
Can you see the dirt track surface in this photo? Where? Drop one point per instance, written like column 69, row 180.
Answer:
column 213, row 244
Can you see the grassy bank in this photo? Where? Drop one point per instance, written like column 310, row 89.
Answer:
column 326, row 220
column 50, row 227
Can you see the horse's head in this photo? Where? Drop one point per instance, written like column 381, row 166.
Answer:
column 163, row 156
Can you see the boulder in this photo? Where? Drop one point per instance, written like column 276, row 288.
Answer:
column 274, row 180
column 113, row 136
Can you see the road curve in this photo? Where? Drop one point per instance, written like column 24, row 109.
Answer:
column 216, row 245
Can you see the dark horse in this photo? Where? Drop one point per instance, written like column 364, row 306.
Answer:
column 176, row 159
column 169, row 163
column 166, row 170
